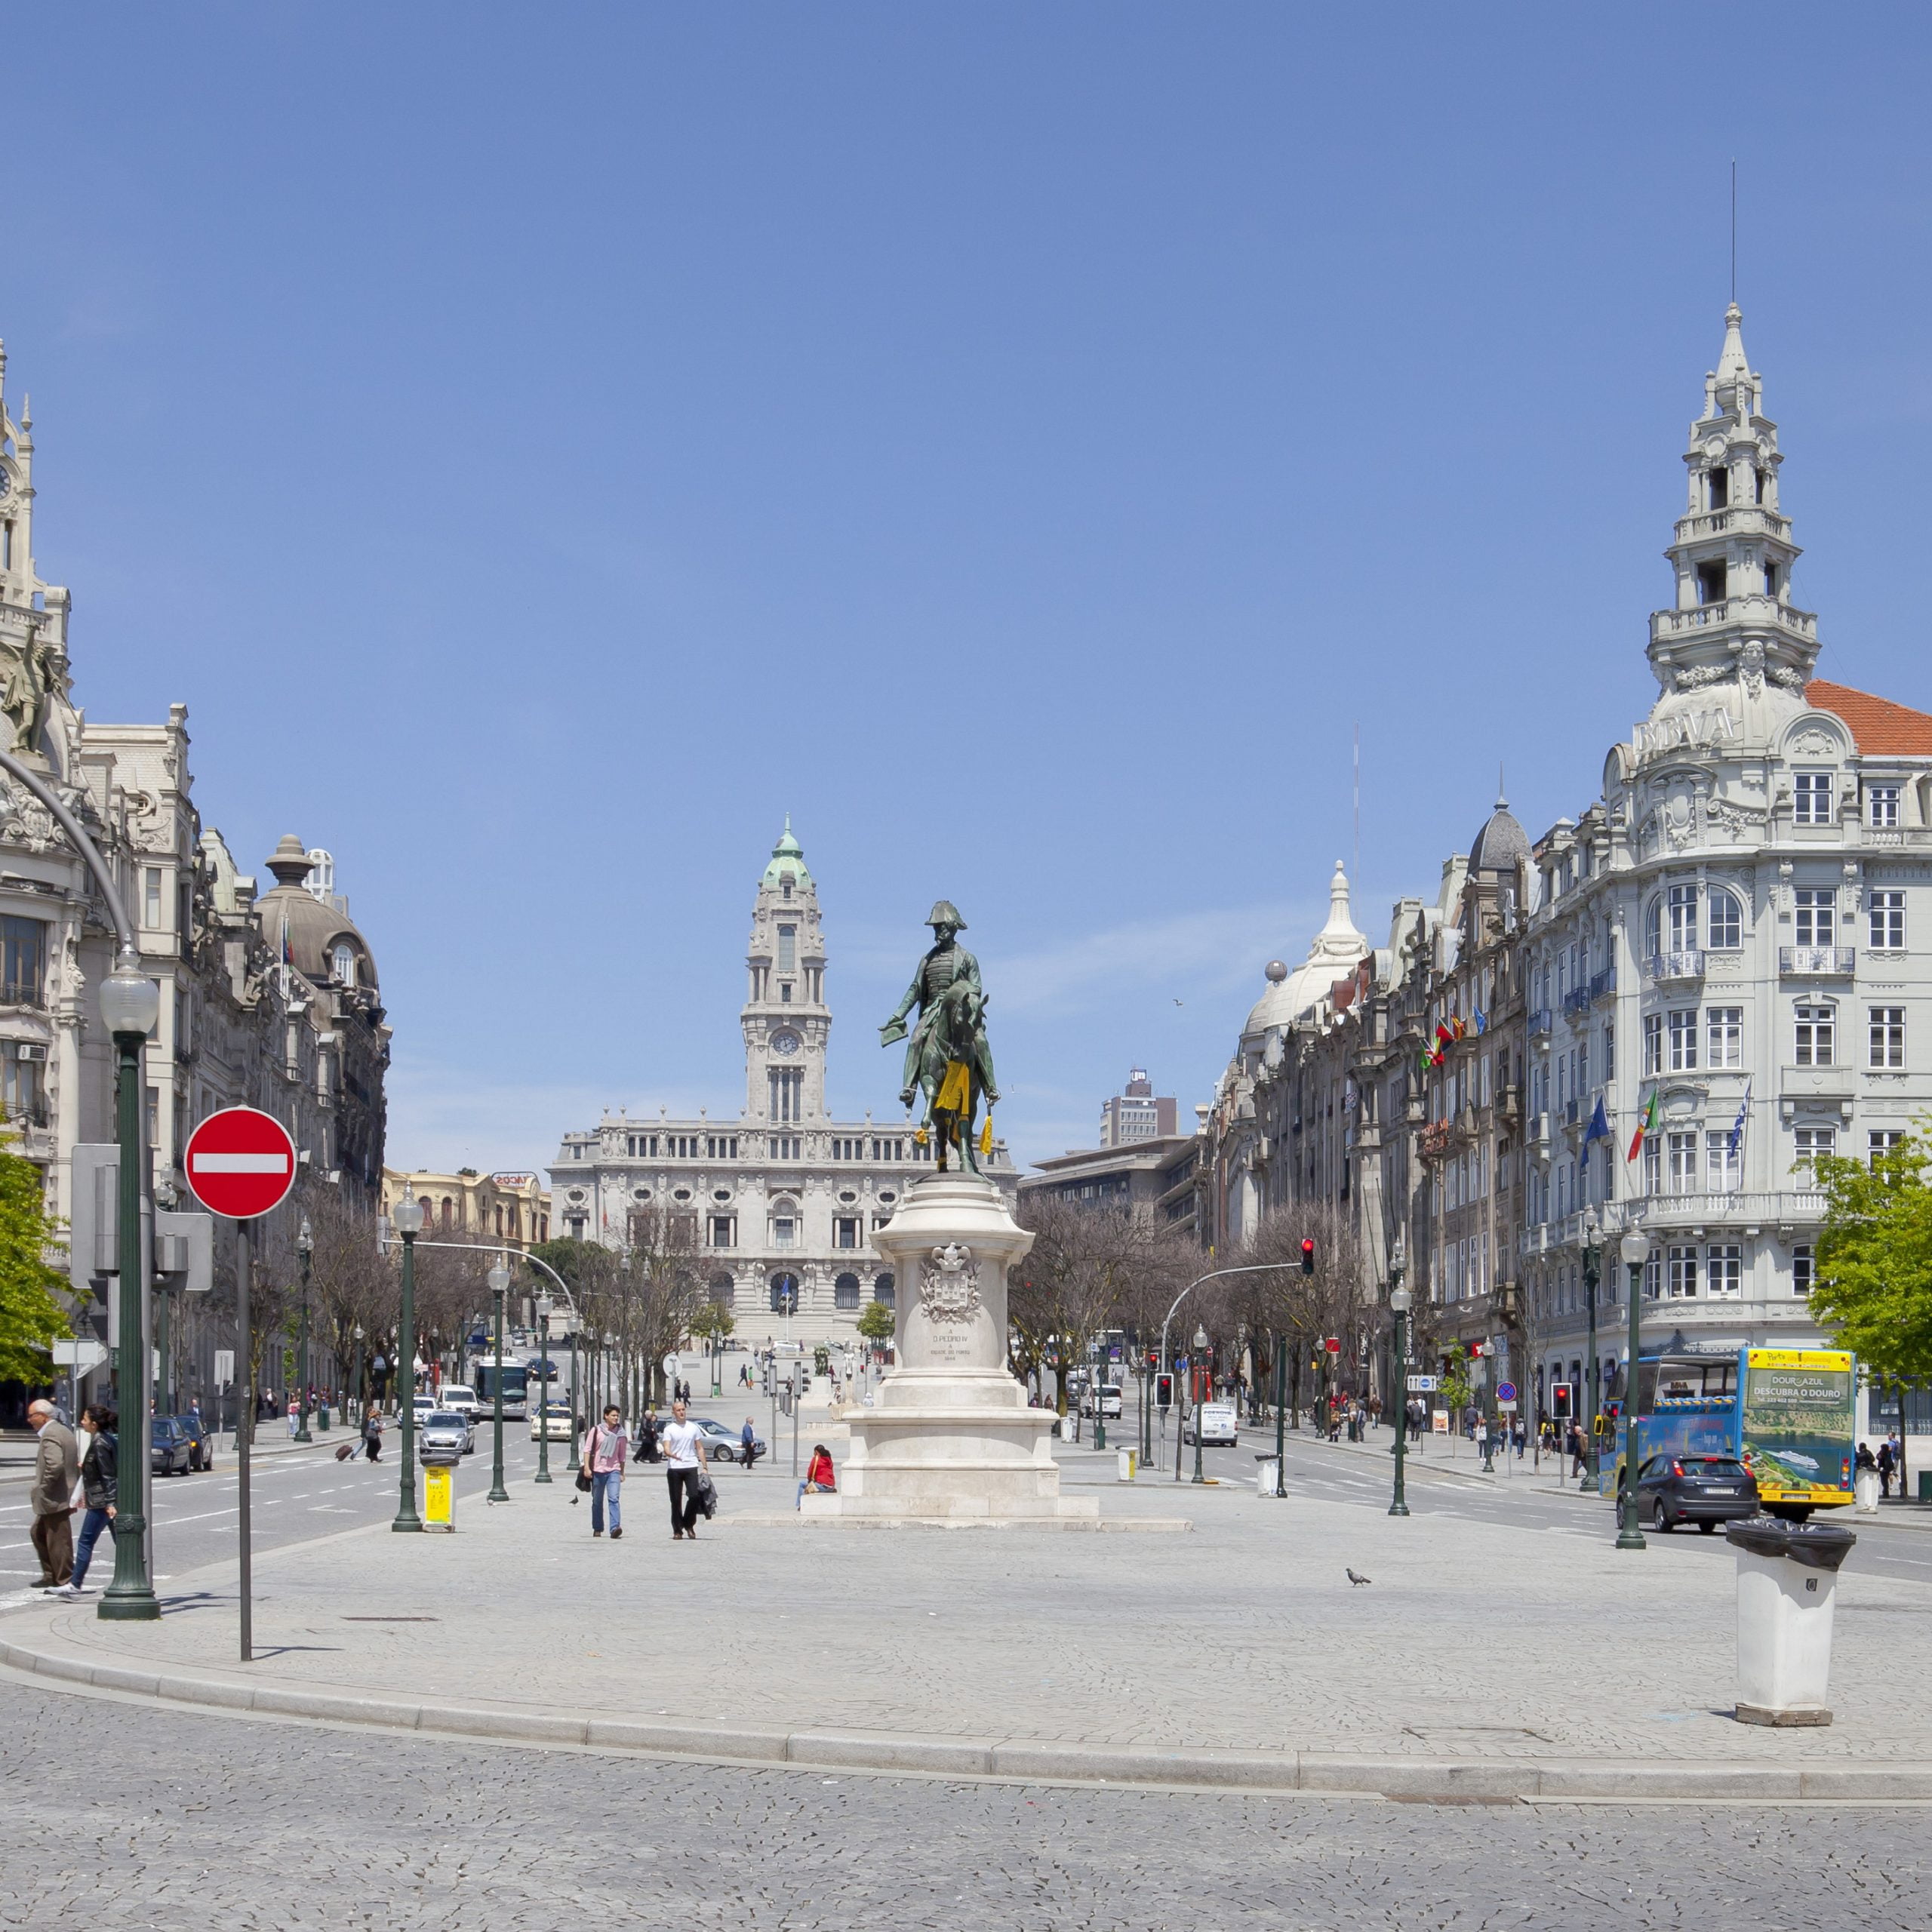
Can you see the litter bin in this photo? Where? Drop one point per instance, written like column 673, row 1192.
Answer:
column 1270, row 1473
column 1864, row 1489
column 1130, row 1464
column 322, row 1418
column 1925, row 1485
column 1787, row 1575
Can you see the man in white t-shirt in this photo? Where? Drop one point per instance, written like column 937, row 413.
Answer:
column 683, row 1445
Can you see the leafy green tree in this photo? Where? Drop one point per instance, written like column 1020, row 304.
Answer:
column 712, row 1322
column 31, row 1313
column 1873, row 1285
column 877, row 1322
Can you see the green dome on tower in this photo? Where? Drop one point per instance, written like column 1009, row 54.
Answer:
column 788, row 857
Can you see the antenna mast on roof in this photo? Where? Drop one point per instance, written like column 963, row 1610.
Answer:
column 1355, row 873
column 1733, row 228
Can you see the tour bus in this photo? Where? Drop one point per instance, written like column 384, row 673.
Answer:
column 516, row 1390
column 1787, row 1414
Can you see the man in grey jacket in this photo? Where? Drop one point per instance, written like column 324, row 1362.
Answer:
column 55, row 1470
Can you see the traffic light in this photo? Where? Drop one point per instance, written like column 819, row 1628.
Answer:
column 1308, row 1257
column 1559, row 1401
column 1164, row 1392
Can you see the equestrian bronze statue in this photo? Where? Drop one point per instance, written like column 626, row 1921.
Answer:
column 947, row 1057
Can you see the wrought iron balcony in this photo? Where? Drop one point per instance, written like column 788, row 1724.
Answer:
column 1539, row 1022
column 1686, row 964
column 1817, row 962
column 1603, row 984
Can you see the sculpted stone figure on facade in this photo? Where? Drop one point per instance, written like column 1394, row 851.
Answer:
column 33, row 676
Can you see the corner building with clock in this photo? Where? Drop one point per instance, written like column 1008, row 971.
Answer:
column 782, row 1199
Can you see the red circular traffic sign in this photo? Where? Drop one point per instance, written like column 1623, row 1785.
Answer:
column 241, row 1162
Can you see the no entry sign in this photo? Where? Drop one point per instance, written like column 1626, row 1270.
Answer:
column 241, row 1163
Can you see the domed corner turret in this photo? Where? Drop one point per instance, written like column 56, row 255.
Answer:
column 314, row 935
column 1337, row 948
column 1501, row 843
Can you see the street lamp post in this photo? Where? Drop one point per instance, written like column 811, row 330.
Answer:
column 1399, row 1301
column 305, row 1246
column 407, row 1218
column 362, row 1407
column 130, row 1004
column 544, row 1305
column 1194, row 1369
column 1592, row 1274
column 1099, row 1397
column 500, row 1280
column 1636, row 1251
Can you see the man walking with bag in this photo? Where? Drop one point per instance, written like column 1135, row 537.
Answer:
column 57, row 1468
column 604, row 1450
column 683, row 1443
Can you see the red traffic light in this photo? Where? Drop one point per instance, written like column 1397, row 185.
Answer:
column 1308, row 1257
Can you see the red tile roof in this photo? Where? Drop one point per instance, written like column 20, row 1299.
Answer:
column 1877, row 724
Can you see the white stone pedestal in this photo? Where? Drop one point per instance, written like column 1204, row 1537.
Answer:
column 949, row 1437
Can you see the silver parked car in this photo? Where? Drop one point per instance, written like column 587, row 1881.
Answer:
column 445, row 1436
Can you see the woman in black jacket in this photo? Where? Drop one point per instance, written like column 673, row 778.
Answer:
column 100, row 1471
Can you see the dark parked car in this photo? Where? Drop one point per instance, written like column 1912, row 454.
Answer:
column 1704, row 1490
column 201, row 1439
column 171, row 1450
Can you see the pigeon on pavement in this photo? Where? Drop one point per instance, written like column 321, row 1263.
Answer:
column 1353, row 1579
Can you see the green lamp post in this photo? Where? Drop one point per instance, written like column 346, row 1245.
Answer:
column 130, row 1005
column 1636, row 1251
column 407, row 1218
column 544, row 1304
column 1592, row 1274
column 1099, row 1396
column 1399, row 1303
column 500, row 1280
column 1194, row 1369
column 305, row 1246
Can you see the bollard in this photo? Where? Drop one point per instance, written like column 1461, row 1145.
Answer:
column 1787, row 1577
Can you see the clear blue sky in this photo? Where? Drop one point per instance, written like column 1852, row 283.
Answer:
column 543, row 445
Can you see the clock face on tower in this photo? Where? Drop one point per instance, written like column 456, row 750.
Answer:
column 785, row 1043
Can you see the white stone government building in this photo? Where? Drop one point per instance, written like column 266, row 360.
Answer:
column 783, row 1199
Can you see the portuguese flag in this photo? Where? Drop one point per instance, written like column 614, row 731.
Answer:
column 1647, row 1125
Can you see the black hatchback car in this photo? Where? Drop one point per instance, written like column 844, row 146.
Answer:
column 171, row 1450
column 1704, row 1490
column 201, row 1441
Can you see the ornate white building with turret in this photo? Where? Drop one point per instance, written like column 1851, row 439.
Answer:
column 1731, row 945
column 782, row 1199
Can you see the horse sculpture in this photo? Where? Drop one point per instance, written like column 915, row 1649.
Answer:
column 952, row 1075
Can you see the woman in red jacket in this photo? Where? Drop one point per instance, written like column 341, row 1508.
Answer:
column 818, row 1478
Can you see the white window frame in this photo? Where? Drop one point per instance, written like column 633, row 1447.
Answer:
column 1811, row 798
column 1814, row 1034
column 1885, row 1038
column 1723, row 1037
column 1885, row 921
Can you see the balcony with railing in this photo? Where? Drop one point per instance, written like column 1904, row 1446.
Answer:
column 1665, row 968
column 1731, row 1210
column 1817, row 962
column 23, row 992
column 1575, row 1002
column 1603, row 984
column 1539, row 1021
column 1755, row 609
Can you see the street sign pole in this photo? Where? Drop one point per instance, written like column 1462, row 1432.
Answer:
column 245, row 1428
column 241, row 1164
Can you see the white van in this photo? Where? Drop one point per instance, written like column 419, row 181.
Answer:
column 1216, row 1425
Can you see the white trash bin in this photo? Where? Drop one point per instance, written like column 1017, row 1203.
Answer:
column 1129, row 1464
column 1864, row 1487
column 1269, row 1481
column 1787, row 1576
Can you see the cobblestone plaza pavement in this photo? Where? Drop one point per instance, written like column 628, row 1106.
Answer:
column 1535, row 1661
column 139, row 1818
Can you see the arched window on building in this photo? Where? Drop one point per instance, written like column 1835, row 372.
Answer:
column 884, row 1292
column 449, row 1212
column 784, row 1294
column 1723, row 921
column 723, row 1290
column 342, row 962
column 845, row 1292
